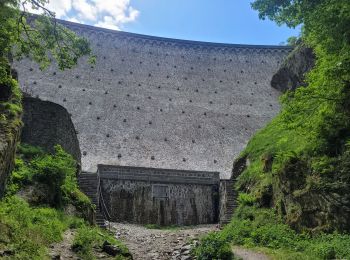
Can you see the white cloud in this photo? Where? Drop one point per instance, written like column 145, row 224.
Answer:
column 111, row 14
column 108, row 22
column 85, row 10
column 60, row 7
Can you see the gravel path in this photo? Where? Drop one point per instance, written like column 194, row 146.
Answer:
column 156, row 244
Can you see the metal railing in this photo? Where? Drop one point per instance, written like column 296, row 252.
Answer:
column 102, row 205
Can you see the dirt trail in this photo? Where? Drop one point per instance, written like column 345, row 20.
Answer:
column 155, row 244
column 62, row 250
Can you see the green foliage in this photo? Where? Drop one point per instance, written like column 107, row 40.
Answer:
column 88, row 238
column 40, row 40
column 246, row 199
column 308, row 143
column 308, row 140
column 10, row 107
column 213, row 247
column 292, row 41
column 287, row 12
column 262, row 228
column 57, row 172
column 29, row 231
column 29, row 152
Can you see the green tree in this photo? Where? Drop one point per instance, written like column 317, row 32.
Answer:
column 292, row 41
column 40, row 38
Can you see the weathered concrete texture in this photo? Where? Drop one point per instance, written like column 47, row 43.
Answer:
column 47, row 124
column 159, row 196
column 291, row 75
column 162, row 103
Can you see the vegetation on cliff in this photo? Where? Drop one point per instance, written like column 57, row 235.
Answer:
column 299, row 163
column 36, row 210
column 41, row 39
column 49, row 179
column 294, row 196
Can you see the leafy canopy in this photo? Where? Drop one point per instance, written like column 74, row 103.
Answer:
column 322, row 110
column 40, row 38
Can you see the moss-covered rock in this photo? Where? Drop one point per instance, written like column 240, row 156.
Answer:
column 10, row 121
column 315, row 196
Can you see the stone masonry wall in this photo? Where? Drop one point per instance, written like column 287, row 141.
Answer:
column 162, row 103
column 47, row 124
column 157, row 196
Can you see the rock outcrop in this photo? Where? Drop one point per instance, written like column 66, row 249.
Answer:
column 312, row 201
column 291, row 75
column 8, row 143
column 10, row 123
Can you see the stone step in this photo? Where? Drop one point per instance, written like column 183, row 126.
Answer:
column 87, row 179
column 89, row 190
column 86, row 183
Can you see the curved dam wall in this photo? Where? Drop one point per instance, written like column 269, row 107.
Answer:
column 162, row 103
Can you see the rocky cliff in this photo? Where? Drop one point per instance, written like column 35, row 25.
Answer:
column 10, row 121
column 292, row 73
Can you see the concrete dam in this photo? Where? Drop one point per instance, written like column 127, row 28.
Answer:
column 159, row 121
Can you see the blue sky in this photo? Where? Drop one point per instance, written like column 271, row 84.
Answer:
column 228, row 21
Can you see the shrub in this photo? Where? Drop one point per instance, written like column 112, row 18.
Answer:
column 57, row 172
column 27, row 231
column 213, row 247
column 84, row 241
column 246, row 199
column 262, row 228
column 88, row 238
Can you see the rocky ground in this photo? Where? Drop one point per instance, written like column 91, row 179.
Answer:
column 151, row 244
column 63, row 249
column 159, row 244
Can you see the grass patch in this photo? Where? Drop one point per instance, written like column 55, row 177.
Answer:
column 27, row 232
column 263, row 230
column 88, row 238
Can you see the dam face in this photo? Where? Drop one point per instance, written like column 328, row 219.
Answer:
column 162, row 103
column 159, row 196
